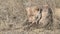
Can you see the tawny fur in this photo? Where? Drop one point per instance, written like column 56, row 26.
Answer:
column 32, row 13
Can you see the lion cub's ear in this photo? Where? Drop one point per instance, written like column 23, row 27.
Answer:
column 29, row 10
column 36, row 8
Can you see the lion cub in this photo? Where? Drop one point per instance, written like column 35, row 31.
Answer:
column 33, row 14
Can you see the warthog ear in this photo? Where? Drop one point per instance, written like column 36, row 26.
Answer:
column 45, row 6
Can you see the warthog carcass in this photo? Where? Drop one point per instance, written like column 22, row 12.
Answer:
column 47, row 17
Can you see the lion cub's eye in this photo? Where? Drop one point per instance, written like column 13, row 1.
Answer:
column 37, row 9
